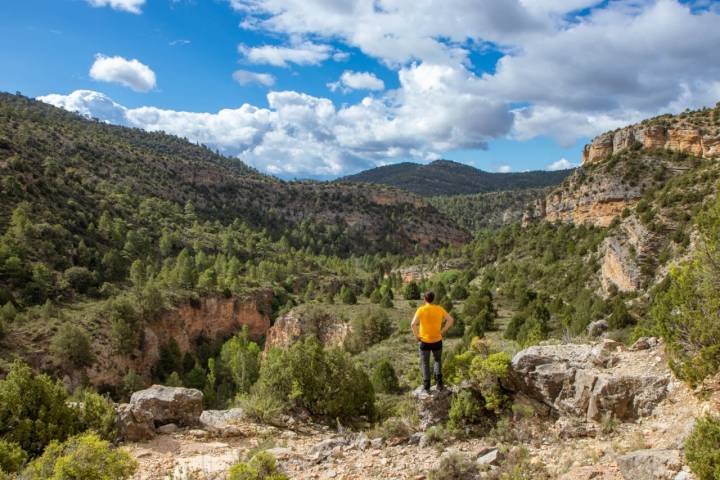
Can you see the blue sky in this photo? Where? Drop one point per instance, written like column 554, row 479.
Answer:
column 320, row 88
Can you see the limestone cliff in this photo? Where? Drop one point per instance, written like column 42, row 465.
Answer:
column 680, row 137
column 619, row 166
column 301, row 322
column 209, row 319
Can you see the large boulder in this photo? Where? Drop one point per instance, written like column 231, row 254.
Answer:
column 589, row 381
column 133, row 425
column 650, row 464
column 181, row 406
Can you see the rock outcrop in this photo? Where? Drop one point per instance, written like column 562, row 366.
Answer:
column 301, row 322
column 598, row 192
column 222, row 422
column 432, row 407
column 651, row 464
column 133, row 425
column 592, row 381
column 157, row 406
column 680, row 138
column 595, row 202
column 208, row 319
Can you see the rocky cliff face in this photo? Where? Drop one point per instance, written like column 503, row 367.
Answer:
column 683, row 137
column 619, row 166
column 210, row 319
column 301, row 322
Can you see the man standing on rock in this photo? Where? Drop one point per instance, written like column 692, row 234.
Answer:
column 427, row 326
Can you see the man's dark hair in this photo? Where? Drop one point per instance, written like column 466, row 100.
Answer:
column 429, row 297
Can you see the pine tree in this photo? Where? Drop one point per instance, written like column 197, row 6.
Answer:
column 411, row 291
column 347, row 296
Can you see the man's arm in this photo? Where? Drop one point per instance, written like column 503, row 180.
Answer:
column 414, row 327
column 449, row 321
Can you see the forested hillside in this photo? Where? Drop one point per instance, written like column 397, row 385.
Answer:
column 72, row 170
column 488, row 210
column 445, row 177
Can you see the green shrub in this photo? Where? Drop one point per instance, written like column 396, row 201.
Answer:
column 324, row 381
column 411, row 291
column 384, row 378
column 487, row 372
column 620, row 317
column 33, row 410
column 458, row 328
column 261, row 408
column 12, row 457
column 465, row 410
column 454, row 466
column 458, row 292
column 347, row 296
column 387, row 302
column 517, row 466
column 96, row 413
column 83, row 457
column 435, row 434
column 702, row 448
column 368, row 328
column 394, row 427
column 8, row 313
column 71, row 347
column 79, row 278
column 687, row 313
column 262, row 466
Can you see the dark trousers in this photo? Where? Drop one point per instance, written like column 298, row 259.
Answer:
column 425, row 350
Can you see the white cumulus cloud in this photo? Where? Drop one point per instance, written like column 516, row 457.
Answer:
column 132, row 6
column 504, row 169
column 562, row 164
column 129, row 73
column 246, row 77
column 304, row 53
column 350, row 80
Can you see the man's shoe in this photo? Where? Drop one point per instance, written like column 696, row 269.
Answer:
column 440, row 387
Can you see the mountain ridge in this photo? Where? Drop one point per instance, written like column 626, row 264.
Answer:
column 447, row 178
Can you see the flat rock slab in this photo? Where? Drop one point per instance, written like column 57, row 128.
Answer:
column 651, row 464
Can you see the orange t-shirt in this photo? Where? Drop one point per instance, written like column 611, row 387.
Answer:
column 430, row 318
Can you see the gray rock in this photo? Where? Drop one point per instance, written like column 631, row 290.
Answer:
column 219, row 420
column 568, row 427
column 644, row 343
column 167, row 429
column 575, row 380
column 280, row 452
column 376, row 443
column 416, row 439
column 325, row 448
column 597, row 328
column 361, row 442
column 182, row 406
column 133, row 425
column 603, row 353
column 650, row 464
column 433, row 406
column 491, row 457
column 683, row 475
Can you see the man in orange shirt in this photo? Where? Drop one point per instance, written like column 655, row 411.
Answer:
column 427, row 326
